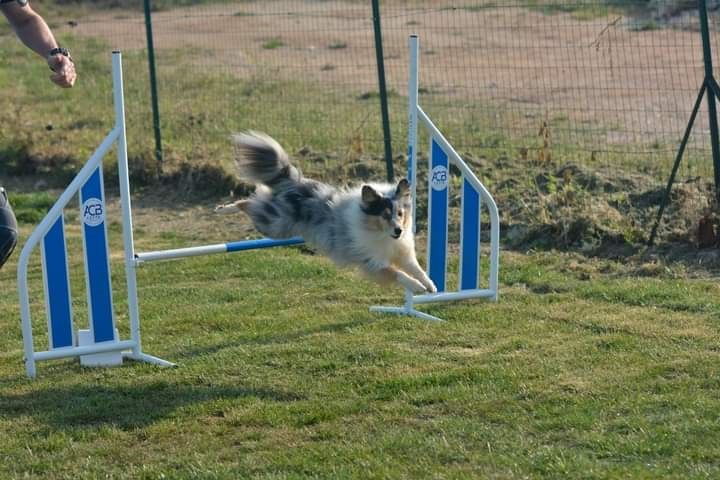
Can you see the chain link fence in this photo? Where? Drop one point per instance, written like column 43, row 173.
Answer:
column 603, row 84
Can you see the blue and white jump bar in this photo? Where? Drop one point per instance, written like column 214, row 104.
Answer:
column 217, row 248
column 473, row 194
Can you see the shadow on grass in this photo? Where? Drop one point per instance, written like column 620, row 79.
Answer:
column 269, row 339
column 126, row 406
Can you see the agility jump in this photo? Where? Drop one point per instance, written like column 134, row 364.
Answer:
column 100, row 345
column 473, row 195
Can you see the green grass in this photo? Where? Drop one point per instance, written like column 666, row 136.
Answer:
column 273, row 44
column 337, row 45
column 579, row 371
column 582, row 369
column 31, row 207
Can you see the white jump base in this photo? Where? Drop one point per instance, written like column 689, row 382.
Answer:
column 100, row 345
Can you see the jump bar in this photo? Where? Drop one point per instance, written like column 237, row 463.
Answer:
column 217, row 248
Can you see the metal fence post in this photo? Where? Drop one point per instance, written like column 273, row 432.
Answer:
column 711, row 94
column 709, row 86
column 153, row 86
column 383, row 90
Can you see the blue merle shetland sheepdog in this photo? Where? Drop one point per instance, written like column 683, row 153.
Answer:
column 369, row 226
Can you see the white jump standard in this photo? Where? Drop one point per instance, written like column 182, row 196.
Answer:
column 106, row 348
column 473, row 194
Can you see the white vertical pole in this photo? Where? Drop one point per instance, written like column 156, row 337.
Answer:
column 25, row 315
column 494, row 247
column 412, row 121
column 124, row 181
column 412, row 139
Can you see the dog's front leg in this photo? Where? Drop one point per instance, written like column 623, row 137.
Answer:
column 413, row 268
column 237, row 206
column 391, row 274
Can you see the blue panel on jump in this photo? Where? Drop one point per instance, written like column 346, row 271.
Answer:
column 438, row 215
column 262, row 243
column 470, row 243
column 96, row 258
column 57, row 286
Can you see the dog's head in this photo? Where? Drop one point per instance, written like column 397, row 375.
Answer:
column 391, row 214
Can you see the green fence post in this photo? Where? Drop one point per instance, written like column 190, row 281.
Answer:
column 153, row 86
column 712, row 110
column 711, row 87
column 383, row 90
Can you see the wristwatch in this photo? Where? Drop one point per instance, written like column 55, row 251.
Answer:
column 59, row 50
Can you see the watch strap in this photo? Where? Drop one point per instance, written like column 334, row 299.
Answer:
column 59, row 50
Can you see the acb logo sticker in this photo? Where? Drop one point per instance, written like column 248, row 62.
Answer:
column 93, row 212
column 439, row 178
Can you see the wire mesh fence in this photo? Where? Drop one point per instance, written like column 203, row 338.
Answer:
column 601, row 83
column 594, row 84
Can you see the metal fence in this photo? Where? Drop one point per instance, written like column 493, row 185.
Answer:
column 605, row 84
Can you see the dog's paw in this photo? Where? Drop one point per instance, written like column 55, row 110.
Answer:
column 418, row 289
column 413, row 285
column 431, row 288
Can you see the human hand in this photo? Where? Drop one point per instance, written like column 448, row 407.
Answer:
column 63, row 70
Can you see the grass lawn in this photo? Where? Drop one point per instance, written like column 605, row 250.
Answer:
column 579, row 371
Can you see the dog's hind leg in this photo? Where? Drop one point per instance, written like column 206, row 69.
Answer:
column 237, row 206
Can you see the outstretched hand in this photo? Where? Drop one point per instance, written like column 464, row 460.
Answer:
column 63, row 69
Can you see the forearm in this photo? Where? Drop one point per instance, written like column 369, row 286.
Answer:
column 32, row 30
column 35, row 34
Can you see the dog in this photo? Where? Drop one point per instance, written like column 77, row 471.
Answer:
column 369, row 226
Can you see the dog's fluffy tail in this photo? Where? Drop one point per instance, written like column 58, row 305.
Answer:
column 261, row 160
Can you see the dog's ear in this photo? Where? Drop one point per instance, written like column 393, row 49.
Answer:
column 369, row 195
column 403, row 188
